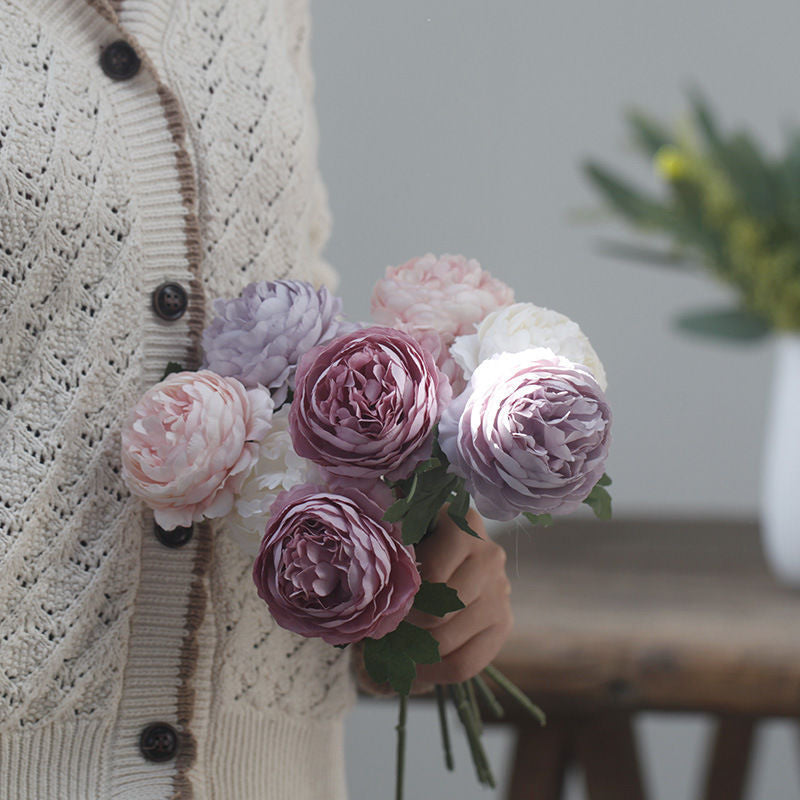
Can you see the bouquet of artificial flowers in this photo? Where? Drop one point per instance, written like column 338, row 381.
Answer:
column 331, row 448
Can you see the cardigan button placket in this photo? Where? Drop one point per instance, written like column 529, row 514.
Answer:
column 177, row 537
column 159, row 742
column 119, row 60
column 169, row 301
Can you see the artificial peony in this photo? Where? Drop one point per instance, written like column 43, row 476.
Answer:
column 260, row 336
column 189, row 443
column 366, row 404
column 436, row 299
column 523, row 326
column 330, row 567
column 530, row 433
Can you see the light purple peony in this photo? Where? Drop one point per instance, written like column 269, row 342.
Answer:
column 366, row 404
column 329, row 567
column 260, row 336
column 529, row 433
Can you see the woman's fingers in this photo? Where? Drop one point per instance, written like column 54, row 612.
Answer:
column 466, row 662
column 468, row 580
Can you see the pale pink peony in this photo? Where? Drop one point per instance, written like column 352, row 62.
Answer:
column 438, row 299
column 190, row 442
column 330, row 567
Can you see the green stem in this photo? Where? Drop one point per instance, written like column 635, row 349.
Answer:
column 473, row 704
column 488, row 696
column 516, row 693
column 476, row 748
column 440, row 702
column 401, row 747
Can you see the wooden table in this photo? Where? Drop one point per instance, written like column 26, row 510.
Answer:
column 613, row 618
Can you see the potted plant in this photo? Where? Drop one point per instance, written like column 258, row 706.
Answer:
column 730, row 208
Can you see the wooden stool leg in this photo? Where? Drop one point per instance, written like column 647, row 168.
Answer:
column 540, row 760
column 729, row 758
column 606, row 749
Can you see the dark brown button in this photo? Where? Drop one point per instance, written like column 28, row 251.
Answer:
column 169, row 301
column 119, row 60
column 159, row 742
column 177, row 537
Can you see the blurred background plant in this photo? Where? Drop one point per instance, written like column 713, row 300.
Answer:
column 727, row 206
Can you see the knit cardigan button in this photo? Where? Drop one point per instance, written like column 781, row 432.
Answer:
column 119, row 60
column 170, row 301
column 177, row 537
column 159, row 742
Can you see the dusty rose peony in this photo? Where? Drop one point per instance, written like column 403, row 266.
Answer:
column 190, row 442
column 530, row 433
column 329, row 567
column 445, row 296
column 366, row 404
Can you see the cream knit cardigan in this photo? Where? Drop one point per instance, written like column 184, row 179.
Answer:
column 200, row 169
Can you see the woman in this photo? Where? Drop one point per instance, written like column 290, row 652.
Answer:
column 155, row 154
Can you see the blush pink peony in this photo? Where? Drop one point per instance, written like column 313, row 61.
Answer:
column 190, row 442
column 366, row 404
column 330, row 567
column 435, row 300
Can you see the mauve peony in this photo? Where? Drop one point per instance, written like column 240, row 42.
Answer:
column 277, row 469
column 444, row 296
column 329, row 567
column 260, row 336
column 530, row 433
column 524, row 326
column 189, row 443
column 366, row 404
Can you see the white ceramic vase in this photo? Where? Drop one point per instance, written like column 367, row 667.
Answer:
column 780, row 476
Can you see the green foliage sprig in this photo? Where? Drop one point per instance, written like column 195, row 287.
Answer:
column 727, row 205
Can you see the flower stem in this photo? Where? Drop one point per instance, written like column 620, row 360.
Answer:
column 440, row 702
column 488, row 696
column 473, row 738
column 473, row 704
column 516, row 693
column 401, row 747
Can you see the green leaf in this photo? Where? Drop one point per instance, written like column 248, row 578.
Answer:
column 543, row 520
column 649, row 135
column 384, row 665
column 604, row 480
column 417, row 643
column 426, row 506
column 623, row 196
column 599, row 500
column 735, row 324
column 633, row 252
column 393, row 657
column 437, row 599
column 172, row 366
column 396, row 511
column 458, row 508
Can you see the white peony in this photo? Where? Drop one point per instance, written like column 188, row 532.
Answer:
column 277, row 469
column 523, row 326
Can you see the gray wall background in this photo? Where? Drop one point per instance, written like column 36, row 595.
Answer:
column 459, row 126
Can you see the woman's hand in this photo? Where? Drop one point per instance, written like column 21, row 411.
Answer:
column 471, row 637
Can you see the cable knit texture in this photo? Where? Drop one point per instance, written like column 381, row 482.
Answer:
column 201, row 170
